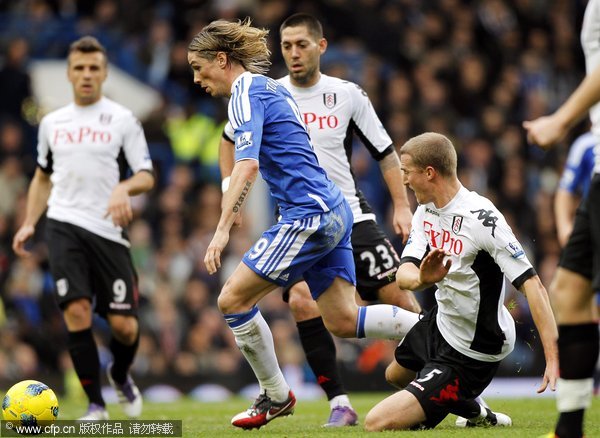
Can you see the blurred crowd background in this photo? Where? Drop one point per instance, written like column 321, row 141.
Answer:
column 473, row 70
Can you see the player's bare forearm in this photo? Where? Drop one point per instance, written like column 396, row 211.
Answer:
column 565, row 205
column 547, row 130
column 581, row 100
column 242, row 178
column 392, row 174
column 138, row 183
column 226, row 157
column 37, row 197
column 408, row 277
column 37, row 201
column 541, row 311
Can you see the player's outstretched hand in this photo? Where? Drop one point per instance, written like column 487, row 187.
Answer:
column 212, row 259
column 22, row 235
column 550, row 376
column 119, row 206
column 433, row 268
column 545, row 131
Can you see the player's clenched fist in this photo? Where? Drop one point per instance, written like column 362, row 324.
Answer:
column 545, row 131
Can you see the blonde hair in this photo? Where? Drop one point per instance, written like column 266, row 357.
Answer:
column 432, row 149
column 243, row 43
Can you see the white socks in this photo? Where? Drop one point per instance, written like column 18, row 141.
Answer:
column 384, row 321
column 340, row 400
column 572, row 395
column 255, row 340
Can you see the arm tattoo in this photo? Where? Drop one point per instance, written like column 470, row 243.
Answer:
column 240, row 201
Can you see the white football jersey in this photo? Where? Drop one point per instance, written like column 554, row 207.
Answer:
column 471, row 314
column 85, row 148
column 590, row 42
column 332, row 110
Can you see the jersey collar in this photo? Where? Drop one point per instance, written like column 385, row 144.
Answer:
column 239, row 79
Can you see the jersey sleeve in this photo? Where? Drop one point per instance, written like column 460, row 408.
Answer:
column 44, row 153
column 572, row 176
column 135, row 146
column 367, row 125
column 579, row 165
column 228, row 132
column 495, row 236
column 248, row 127
column 416, row 247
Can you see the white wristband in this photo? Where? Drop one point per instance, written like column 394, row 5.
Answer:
column 225, row 184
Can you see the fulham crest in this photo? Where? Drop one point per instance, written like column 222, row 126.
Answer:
column 457, row 224
column 105, row 119
column 329, row 100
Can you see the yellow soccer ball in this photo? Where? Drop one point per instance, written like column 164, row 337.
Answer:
column 30, row 403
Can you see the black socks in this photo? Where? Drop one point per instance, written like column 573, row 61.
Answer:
column 320, row 352
column 84, row 354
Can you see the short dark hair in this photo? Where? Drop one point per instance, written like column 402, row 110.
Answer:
column 301, row 19
column 87, row 44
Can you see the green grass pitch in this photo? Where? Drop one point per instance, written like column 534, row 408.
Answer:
column 531, row 418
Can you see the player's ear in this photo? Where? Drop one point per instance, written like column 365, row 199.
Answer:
column 222, row 59
column 430, row 172
column 322, row 45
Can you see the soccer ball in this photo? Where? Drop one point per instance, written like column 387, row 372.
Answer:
column 30, row 403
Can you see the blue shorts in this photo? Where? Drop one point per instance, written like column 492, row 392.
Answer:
column 315, row 248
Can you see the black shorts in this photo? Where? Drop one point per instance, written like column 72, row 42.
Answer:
column 86, row 265
column 375, row 259
column 582, row 252
column 445, row 377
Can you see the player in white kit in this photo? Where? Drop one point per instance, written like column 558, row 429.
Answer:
column 333, row 110
column 578, row 274
column 84, row 150
column 461, row 243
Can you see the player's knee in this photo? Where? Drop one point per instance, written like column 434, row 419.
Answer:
column 341, row 326
column 302, row 306
column 374, row 422
column 571, row 297
column 391, row 376
column 229, row 301
column 397, row 376
column 78, row 314
column 125, row 329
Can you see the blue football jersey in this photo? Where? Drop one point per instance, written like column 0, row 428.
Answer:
column 268, row 127
column 578, row 170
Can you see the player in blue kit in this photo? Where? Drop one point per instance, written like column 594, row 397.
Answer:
column 574, row 184
column 312, row 238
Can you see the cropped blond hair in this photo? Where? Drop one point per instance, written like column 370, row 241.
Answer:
column 243, row 43
column 432, row 149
